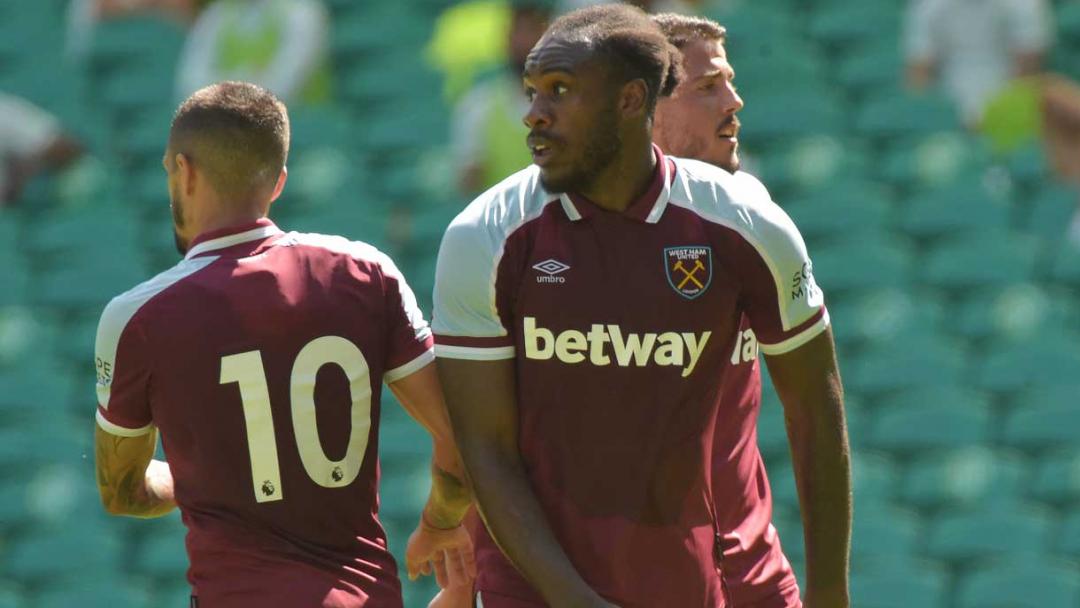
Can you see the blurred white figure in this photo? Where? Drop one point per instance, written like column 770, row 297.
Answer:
column 281, row 45
column 31, row 140
column 973, row 48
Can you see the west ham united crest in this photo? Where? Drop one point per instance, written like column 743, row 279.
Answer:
column 689, row 269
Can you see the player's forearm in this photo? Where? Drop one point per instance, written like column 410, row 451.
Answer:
column 129, row 481
column 518, row 525
column 822, row 464
column 450, row 497
column 149, row 494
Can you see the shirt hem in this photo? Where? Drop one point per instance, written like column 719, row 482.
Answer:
column 474, row 353
column 799, row 339
column 409, row 368
column 121, row 431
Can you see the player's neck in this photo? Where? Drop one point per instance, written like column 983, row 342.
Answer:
column 619, row 185
column 225, row 218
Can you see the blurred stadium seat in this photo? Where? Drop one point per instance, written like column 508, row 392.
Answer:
column 1021, row 583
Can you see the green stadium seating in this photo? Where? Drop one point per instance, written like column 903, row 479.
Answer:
column 1027, row 165
column 882, row 534
column 874, row 477
column 953, row 209
column 1039, row 426
column 870, row 67
column 162, row 556
column 886, row 315
column 927, row 425
column 964, row 477
column 150, row 42
column 900, row 113
column 1012, row 312
column 863, row 262
column 12, row 598
column 1068, row 538
column 1021, row 583
column 95, row 594
column 404, row 441
column 840, row 210
column 401, row 496
column 1057, row 480
column 910, row 362
column 965, row 535
column 846, row 25
column 1029, row 362
column 771, row 117
column 980, row 260
column 1066, row 265
column 772, row 435
column 33, row 557
column 176, row 594
column 938, row 160
column 1051, row 210
column 900, row 585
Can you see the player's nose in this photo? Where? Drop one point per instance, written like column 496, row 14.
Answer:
column 732, row 103
column 538, row 116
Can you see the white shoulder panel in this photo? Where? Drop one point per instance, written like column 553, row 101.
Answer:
column 472, row 249
column 122, row 308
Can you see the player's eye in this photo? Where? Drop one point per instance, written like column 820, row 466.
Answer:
column 560, row 89
column 530, row 93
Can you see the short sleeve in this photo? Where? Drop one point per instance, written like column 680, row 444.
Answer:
column 123, row 373
column 1029, row 25
column 918, row 35
column 409, row 337
column 466, row 321
column 785, row 305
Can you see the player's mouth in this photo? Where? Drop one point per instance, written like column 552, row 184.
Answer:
column 729, row 131
column 541, row 149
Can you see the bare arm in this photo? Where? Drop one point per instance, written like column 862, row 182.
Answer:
column 421, row 395
column 920, row 74
column 808, row 383
column 1028, row 63
column 129, row 480
column 480, row 395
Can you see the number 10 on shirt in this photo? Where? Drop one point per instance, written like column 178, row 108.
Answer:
column 246, row 370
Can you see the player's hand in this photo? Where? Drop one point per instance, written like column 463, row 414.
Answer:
column 453, row 597
column 448, row 553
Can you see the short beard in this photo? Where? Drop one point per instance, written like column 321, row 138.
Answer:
column 602, row 146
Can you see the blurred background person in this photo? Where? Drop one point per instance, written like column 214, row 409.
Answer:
column 488, row 134
column 84, row 15
column 974, row 48
column 279, row 44
column 31, row 141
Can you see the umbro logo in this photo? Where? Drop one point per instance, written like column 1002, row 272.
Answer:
column 551, row 269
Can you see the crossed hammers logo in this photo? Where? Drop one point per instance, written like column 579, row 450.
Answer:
column 688, row 275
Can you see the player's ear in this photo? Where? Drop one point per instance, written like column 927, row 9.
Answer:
column 633, row 98
column 280, row 185
column 185, row 170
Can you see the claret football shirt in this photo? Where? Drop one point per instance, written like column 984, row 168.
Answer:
column 622, row 326
column 260, row 358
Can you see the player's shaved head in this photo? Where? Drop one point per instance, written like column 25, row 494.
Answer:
column 237, row 134
column 629, row 43
column 681, row 29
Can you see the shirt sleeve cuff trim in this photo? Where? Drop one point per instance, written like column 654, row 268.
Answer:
column 120, row 431
column 409, row 368
column 798, row 339
column 474, row 353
